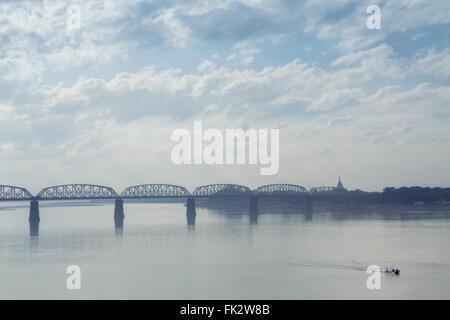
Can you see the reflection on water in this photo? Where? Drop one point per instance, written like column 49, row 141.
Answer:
column 118, row 214
column 34, row 227
column 190, row 211
column 34, row 218
column 237, row 249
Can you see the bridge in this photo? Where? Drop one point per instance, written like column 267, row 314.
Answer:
column 156, row 191
column 152, row 191
column 222, row 191
column 281, row 190
column 10, row 193
column 77, row 192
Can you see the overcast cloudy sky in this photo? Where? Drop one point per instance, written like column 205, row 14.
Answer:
column 98, row 104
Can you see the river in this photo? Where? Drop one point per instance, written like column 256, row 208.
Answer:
column 285, row 254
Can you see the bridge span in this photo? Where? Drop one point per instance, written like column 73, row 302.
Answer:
column 152, row 191
column 10, row 193
column 77, row 192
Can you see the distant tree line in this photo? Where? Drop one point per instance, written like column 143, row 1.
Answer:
column 410, row 195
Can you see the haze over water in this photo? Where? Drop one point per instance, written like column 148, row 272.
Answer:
column 285, row 255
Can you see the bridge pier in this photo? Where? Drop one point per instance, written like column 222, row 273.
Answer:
column 190, row 211
column 118, row 213
column 34, row 218
column 253, row 209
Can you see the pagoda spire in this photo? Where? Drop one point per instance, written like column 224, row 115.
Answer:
column 339, row 185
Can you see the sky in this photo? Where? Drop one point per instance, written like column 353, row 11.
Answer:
column 98, row 104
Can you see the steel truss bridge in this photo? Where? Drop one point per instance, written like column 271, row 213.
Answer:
column 150, row 191
column 281, row 190
column 10, row 193
column 153, row 191
column 222, row 190
column 77, row 192
column 158, row 191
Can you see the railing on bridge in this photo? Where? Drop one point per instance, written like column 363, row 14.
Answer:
column 11, row 193
column 146, row 191
column 222, row 190
column 77, row 192
column 281, row 190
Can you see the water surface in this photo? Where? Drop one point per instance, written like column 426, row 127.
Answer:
column 286, row 254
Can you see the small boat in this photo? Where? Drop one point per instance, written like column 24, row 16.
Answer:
column 392, row 271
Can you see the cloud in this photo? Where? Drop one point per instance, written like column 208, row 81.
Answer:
column 36, row 42
column 433, row 62
column 103, row 100
column 206, row 65
column 339, row 120
column 55, row 116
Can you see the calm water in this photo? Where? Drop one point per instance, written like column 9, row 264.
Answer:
column 286, row 255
